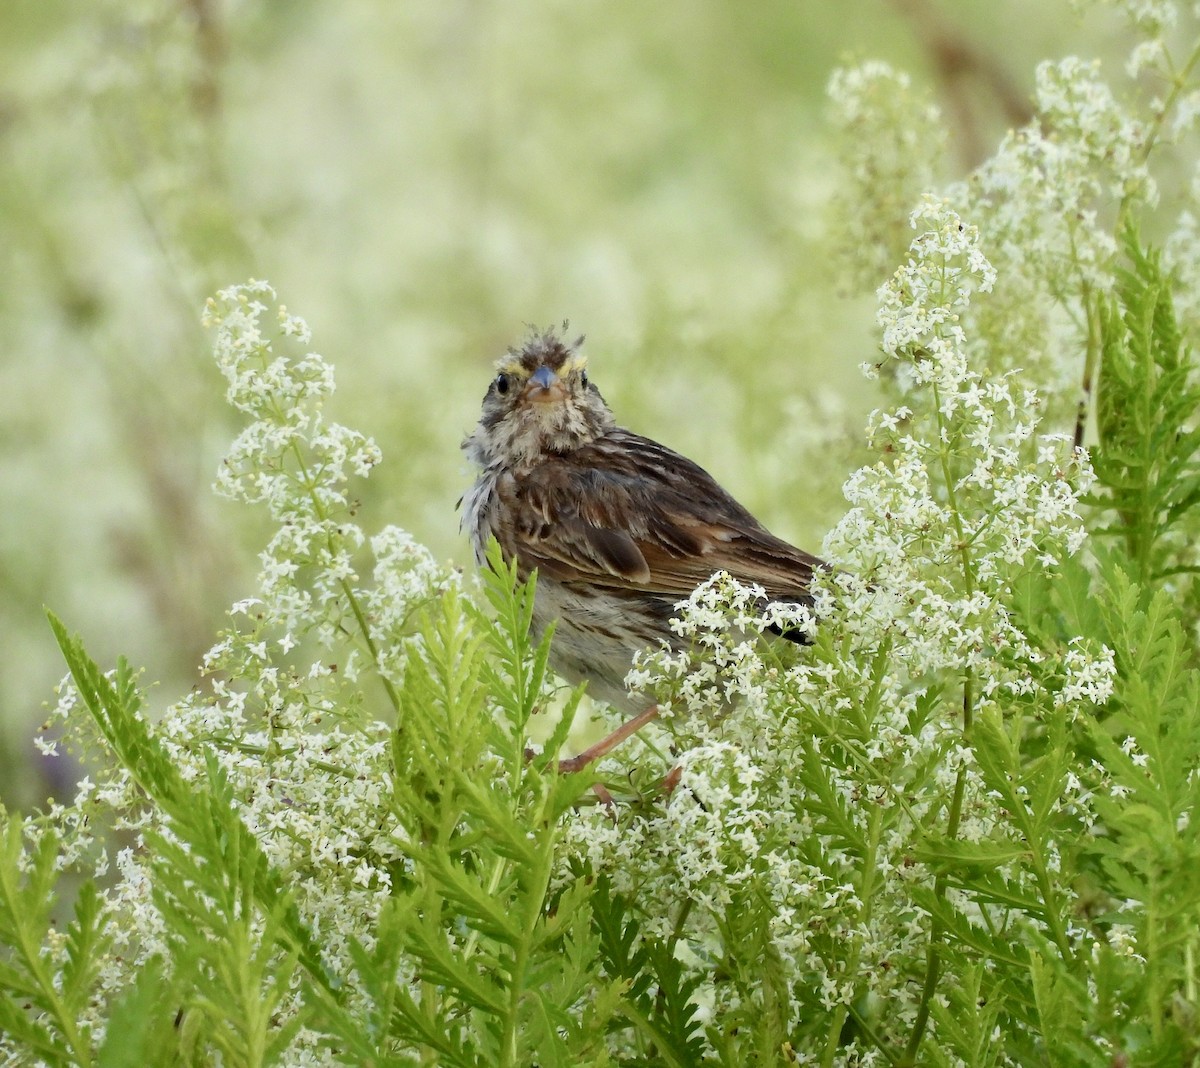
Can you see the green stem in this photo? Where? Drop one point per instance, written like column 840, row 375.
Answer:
column 231, row 745
column 516, row 989
column 310, row 486
column 954, row 815
column 365, row 631
column 685, row 911
column 1179, row 83
column 493, row 884
column 936, row 928
column 1091, row 365
column 1053, row 919
column 963, row 542
column 866, row 892
column 534, row 901
column 877, row 1039
column 1157, row 998
column 429, row 999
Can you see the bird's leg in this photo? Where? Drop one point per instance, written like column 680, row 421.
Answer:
column 671, row 780
column 605, row 745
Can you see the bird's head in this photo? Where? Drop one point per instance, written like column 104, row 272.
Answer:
column 540, row 403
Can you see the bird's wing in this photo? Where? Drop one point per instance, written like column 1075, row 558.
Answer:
column 625, row 511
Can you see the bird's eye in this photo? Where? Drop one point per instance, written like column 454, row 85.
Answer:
column 501, row 384
column 583, row 378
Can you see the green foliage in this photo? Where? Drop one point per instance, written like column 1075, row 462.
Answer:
column 1146, row 860
column 1069, row 922
column 232, row 928
column 1147, row 458
column 875, row 854
column 655, row 992
column 959, row 828
column 39, row 1007
column 499, row 956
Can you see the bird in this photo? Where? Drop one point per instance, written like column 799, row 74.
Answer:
column 618, row 528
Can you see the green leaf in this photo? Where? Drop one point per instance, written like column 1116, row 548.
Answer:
column 963, row 858
column 28, row 881
column 657, row 996
column 1146, row 459
column 87, row 940
column 142, row 1022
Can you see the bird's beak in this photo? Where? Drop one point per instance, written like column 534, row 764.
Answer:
column 545, row 385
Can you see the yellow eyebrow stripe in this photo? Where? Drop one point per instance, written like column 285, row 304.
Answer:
column 512, row 365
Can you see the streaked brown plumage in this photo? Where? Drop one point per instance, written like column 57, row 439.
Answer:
column 619, row 527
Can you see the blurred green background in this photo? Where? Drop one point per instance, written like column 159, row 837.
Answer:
column 420, row 180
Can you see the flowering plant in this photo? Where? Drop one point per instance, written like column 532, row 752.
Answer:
column 955, row 829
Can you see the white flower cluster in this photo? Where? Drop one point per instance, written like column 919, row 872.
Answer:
column 969, row 495
column 293, row 727
column 1049, row 202
column 311, row 778
column 1046, row 203
column 722, row 621
column 406, row 578
column 922, row 305
column 814, row 775
column 1088, row 677
column 892, row 142
column 289, row 457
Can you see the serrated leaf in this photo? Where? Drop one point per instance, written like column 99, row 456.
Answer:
column 86, row 941
column 954, row 855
